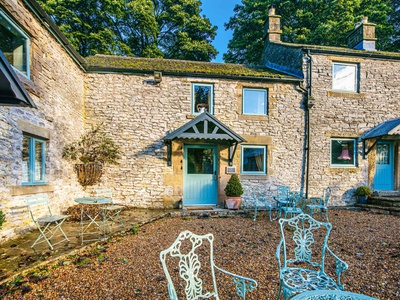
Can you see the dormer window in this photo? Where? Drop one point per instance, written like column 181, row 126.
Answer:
column 202, row 98
column 14, row 45
column 345, row 77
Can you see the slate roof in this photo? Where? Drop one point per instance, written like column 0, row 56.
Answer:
column 110, row 63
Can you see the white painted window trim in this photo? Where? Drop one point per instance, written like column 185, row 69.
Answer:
column 264, row 160
column 354, row 153
column 266, row 101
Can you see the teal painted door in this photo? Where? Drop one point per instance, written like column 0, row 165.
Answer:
column 200, row 175
column 384, row 173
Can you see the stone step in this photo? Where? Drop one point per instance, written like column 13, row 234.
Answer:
column 389, row 210
column 392, row 201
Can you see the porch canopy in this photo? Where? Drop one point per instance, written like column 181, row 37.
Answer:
column 204, row 127
column 12, row 92
column 387, row 128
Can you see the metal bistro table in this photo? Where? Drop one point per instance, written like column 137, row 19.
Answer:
column 100, row 224
column 331, row 295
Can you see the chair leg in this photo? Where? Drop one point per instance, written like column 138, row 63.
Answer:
column 255, row 213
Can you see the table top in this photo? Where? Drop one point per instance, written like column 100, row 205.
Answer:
column 93, row 200
column 331, row 295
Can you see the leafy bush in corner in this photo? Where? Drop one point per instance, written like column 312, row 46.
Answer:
column 234, row 187
column 2, row 218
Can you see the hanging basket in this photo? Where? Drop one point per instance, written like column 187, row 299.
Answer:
column 88, row 174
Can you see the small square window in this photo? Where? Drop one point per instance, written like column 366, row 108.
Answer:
column 14, row 45
column 345, row 77
column 343, row 153
column 254, row 159
column 255, row 102
column 33, row 160
column 202, row 97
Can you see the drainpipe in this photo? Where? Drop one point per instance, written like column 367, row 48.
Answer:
column 309, row 104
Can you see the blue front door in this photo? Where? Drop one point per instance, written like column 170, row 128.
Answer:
column 200, row 175
column 384, row 173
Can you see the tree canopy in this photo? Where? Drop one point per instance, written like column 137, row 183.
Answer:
column 318, row 22
column 145, row 28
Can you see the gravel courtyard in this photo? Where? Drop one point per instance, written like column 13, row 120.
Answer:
column 128, row 266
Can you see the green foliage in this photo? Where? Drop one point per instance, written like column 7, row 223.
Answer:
column 363, row 191
column 144, row 28
column 135, row 229
column 234, row 187
column 2, row 218
column 317, row 22
column 93, row 147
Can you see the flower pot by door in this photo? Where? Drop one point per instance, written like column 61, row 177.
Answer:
column 362, row 199
column 233, row 202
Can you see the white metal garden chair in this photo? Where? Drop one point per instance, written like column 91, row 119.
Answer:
column 111, row 213
column 320, row 203
column 301, row 255
column 261, row 202
column 47, row 223
column 196, row 269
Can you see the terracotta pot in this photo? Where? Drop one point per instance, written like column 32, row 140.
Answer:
column 233, row 202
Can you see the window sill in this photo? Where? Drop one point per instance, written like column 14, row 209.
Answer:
column 254, row 117
column 32, row 189
column 253, row 176
column 353, row 95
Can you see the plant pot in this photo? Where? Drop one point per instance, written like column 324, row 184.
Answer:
column 88, row 174
column 233, row 202
column 362, row 199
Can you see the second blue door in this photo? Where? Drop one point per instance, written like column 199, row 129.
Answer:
column 384, row 173
column 200, row 185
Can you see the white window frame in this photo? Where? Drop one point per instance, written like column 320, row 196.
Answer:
column 264, row 148
column 265, row 91
column 31, row 168
column 25, row 73
column 353, row 153
column 354, row 77
column 210, row 108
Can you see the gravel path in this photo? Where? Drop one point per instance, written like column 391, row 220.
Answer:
column 128, row 267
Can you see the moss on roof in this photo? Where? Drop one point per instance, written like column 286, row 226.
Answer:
column 109, row 63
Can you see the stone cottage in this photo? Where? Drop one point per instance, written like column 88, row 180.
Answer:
column 183, row 126
column 352, row 108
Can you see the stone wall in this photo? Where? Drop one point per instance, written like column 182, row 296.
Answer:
column 139, row 115
column 56, row 86
column 349, row 115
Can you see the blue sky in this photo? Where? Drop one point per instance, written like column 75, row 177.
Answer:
column 219, row 12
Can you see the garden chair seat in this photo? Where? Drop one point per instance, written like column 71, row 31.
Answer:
column 301, row 255
column 320, row 203
column 47, row 223
column 111, row 213
column 260, row 202
column 294, row 205
column 190, row 260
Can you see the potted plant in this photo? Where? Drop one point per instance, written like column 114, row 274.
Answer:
column 2, row 218
column 362, row 193
column 233, row 192
column 91, row 152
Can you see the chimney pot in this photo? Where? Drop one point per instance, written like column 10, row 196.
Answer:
column 363, row 36
column 272, row 29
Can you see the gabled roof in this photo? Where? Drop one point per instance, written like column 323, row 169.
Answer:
column 135, row 65
column 12, row 92
column 389, row 127
column 205, row 126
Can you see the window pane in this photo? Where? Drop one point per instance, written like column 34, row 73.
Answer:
column 25, row 159
column 202, row 95
column 200, row 161
column 343, row 153
column 344, row 77
column 254, row 102
column 13, row 45
column 39, row 148
column 253, row 159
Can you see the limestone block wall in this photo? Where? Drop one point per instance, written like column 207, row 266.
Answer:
column 139, row 115
column 56, row 86
column 349, row 115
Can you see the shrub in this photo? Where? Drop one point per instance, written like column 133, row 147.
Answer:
column 234, row 187
column 363, row 191
column 2, row 218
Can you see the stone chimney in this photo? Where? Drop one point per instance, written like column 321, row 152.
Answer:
column 272, row 29
column 363, row 36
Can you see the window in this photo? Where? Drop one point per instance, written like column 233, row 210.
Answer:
column 254, row 160
column 14, row 45
column 202, row 97
column 33, row 160
column 345, row 77
column 255, row 102
column 343, row 153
